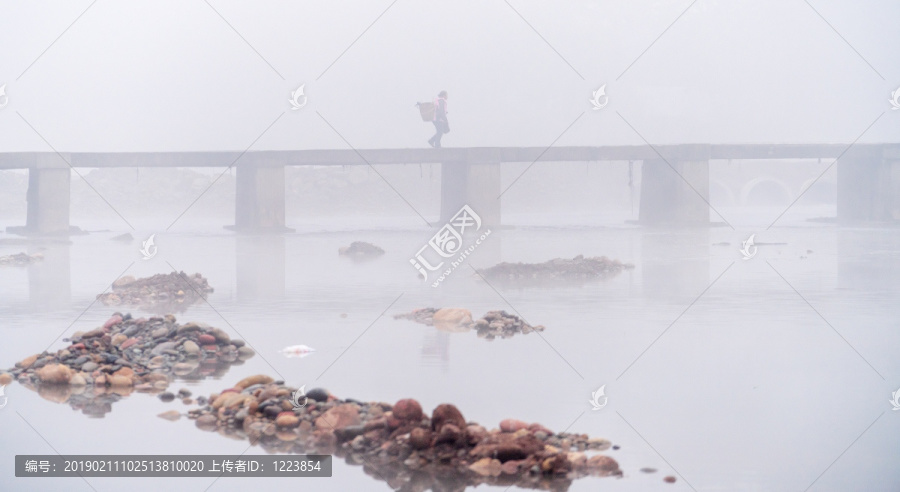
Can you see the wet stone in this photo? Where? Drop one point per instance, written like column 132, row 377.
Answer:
column 317, row 394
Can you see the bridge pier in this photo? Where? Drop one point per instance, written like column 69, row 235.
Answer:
column 259, row 198
column 48, row 196
column 675, row 197
column 868, row 185
column 475, row 184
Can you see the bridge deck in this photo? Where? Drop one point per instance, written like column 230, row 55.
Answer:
column 341, row 157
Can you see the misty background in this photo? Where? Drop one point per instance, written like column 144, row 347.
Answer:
column 182, row 76
column 142, row 76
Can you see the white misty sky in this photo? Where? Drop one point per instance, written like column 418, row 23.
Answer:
column 172, row 75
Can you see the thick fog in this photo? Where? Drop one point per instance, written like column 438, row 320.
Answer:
column 207, row 76
column 680, row 318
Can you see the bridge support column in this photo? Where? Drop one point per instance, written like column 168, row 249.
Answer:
column 259, row 198
column 48, row 196
column 680, row 196
column 474, row 184
column 868, row 185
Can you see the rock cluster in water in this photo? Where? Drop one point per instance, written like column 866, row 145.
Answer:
column 360, row 249
column 399, row 443
column 493, row 324
column 557, row 269
column 20, row 259
column 161, row 292
column 125, row 355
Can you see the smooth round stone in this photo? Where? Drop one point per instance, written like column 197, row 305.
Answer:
column 317, row 394
column 238, row 343
column 166, row 397
column 272, row 411
column 89, row 366
column 207, row 422
column 206, row 339
column 245, row 353
column 81, row 360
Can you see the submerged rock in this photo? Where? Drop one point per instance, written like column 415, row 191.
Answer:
column 360, row 249
column 492, row 325
column 160, row 293
column 557, row 269
column 20, row 259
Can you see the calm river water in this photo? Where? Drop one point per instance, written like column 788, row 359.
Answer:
column 766, row 374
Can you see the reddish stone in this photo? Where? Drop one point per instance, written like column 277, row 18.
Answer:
column 512, row 425
column 538, row 427
column 669, row 479
column 77, row 346
column 507, row 446
column 511, row 467
column 210, row 348
column 556, row 465
column 338, row 417
column 420, row 438
column 379, row 423
column 116, row 319
column 93, row 334
column 408, row 409
column 446, row 414
column 206, row 339
column 450, row 434
column 128, row 343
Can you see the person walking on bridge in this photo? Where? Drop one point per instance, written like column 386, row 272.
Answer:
column 441, row 125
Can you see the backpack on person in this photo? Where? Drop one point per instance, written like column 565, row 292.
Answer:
column 426, row 109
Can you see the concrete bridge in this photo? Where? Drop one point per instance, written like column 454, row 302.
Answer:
column 675, row 178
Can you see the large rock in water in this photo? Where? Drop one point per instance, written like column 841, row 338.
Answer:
column 446, row 414
column 408, row 409
column 360, row 249
column 452, row 319
column 54, row 374
column 338, row 417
